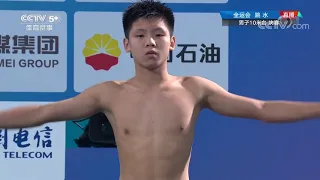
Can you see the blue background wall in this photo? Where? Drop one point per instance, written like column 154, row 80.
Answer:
column 272, row 64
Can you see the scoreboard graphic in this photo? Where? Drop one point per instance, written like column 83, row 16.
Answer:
column 263, row 19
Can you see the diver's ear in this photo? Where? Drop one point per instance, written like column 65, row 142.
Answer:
column 172, row 43
column 126, row 45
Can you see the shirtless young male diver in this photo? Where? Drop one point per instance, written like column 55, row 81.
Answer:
column 154, row 114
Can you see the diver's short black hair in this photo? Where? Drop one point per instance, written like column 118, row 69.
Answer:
column 147, row 9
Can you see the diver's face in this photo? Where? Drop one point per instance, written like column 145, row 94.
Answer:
column 149, row 42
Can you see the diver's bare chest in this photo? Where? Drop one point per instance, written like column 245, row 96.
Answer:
column 148, row 112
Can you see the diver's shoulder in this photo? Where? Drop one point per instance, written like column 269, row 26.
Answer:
column 109, row 85
column 196, row 82
column 191, row 79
